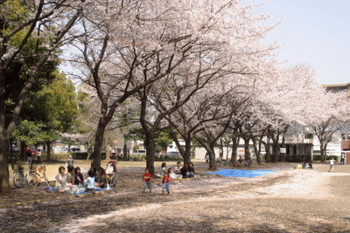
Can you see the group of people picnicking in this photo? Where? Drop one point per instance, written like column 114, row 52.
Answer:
column 96, row 179
column 73, row 179
column 309, row 164
column 167, row 173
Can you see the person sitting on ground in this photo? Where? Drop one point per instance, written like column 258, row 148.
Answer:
column 61, row 180
column 184, row 171
column 303, row 166
column 102, row 183
column 163, row 169
column 95, row 172
column 78, row 177
column 190, row 172
column 310, row 165
column 171, row 173
column 90, row 181
column 240, row 160
column 70, row 175
column 178, row 168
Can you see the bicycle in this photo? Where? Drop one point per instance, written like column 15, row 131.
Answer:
column 18, row 177
column 222, row 163
column 37, row 177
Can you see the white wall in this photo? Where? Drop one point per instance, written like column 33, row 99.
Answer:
column 199, row 152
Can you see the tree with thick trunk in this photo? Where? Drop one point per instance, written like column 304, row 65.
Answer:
column 52, row 20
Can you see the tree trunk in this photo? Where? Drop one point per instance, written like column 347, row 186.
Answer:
column 212, row 160
column 187, row 154
column 150, row 152
column 323, row 152
column 4, row 171
column 23, row 149
column 125, row 150
column 277, row 153
column 235, row 144
column 96, row 154
column 48, row 151
column 257, row 149
column 4, row 139
column 267, row 150
column 246, row 149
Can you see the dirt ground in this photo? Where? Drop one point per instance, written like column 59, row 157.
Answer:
column 287, row 200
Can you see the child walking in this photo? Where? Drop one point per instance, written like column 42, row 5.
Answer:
column 166, row 184
column 148, row 180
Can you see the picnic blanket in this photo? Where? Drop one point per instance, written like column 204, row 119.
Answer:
column 76, row 191
column 241, row 173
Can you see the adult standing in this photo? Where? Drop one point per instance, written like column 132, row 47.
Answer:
column 342, row 161
column 38, row 156
column 207, row 159
column 70, row 161
column 29, row 156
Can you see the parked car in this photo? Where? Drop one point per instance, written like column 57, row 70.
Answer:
column 174, row 153
column 75, row 149
column 140, row 151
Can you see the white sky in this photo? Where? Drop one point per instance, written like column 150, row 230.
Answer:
column 313, row 32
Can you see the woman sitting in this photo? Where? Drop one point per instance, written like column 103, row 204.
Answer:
column 102, row 182
column 190, row 172
column 184, row 171
column 61, row 180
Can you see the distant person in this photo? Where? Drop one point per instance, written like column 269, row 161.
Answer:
column 190, row 172
column 163, row 169
column 78, row 177
column 70, row 174
column 61, row 180
column 171, row 173
column 303, row 166
column 102, row 183
column 90, row 181
column 207, row 159
column 177, row 168
column 184, row 171
column 29, row 156
column 70, row 161
column 342, row 160
column 331, row 165
column 310, row 165
column 38, row 156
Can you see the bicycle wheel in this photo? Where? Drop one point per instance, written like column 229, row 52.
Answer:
column 18, row 179
column 32, row 180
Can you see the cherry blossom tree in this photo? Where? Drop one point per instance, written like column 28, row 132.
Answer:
column 333, row 117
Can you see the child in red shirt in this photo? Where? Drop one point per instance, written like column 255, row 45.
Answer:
column 166, row 183
column 147, row 177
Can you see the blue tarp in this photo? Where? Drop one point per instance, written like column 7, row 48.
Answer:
column 242, row 173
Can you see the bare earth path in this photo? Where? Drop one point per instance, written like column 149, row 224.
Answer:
column 288, row 200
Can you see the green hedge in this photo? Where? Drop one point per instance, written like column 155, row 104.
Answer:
column 84, row 155
column 328, row 157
